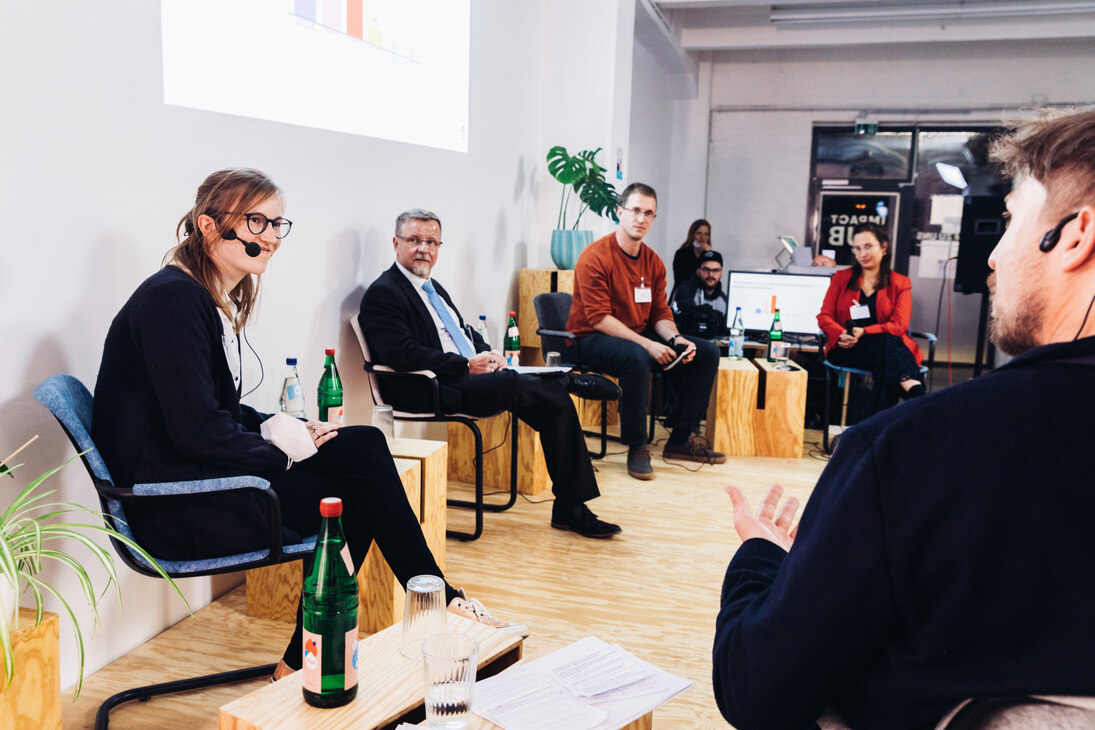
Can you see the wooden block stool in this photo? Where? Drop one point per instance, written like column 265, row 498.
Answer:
column 532, row 476
column 33, row 699
column 274, row 591
column 780, row 417
column 731, row 410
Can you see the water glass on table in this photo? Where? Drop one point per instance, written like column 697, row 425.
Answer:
column 423, row 613
column 384, row 420
column 449, row 669
column 553, row 359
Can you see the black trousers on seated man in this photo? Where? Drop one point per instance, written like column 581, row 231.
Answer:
column 541, row 401
column 631, row 363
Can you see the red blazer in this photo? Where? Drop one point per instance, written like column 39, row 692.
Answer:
column 893, row 306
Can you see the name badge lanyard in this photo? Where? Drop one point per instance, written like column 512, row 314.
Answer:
column 643, row 293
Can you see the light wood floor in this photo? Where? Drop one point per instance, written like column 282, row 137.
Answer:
column 654, row 590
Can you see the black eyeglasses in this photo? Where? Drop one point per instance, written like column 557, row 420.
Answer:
column 432, row 243
column 640, row 213
column 1054, row 235
column 257, row 223
column 709, row 270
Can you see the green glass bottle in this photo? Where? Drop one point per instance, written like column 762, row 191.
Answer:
column 329, row 394
column 512, row 346
column 777, row 346
column 330, row 616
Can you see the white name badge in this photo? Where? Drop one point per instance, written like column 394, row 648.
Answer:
column 860, row 311
column 643, row 295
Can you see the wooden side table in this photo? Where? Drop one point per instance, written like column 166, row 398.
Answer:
column 731, row 410
column 33, row 699
column 779, row 420
column 532, row 476
column 390, row 686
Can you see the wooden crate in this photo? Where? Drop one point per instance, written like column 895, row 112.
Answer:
column 33, row 700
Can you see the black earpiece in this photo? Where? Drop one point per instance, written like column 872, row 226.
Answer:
column 1054, row 235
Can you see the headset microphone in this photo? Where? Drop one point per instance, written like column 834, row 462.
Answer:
column 251, row 248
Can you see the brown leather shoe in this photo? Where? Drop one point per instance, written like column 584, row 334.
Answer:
column 693, row 450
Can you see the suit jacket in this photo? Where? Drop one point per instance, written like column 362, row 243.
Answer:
column 401, row 334
column 893, row 306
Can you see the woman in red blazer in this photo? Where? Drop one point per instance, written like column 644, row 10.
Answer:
column 865, row 317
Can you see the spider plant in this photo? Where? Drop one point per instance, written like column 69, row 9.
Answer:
column 32, row 532
column 581, row 174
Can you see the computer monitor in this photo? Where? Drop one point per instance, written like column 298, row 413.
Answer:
column 797, row 296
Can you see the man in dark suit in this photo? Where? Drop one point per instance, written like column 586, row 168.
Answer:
column 411, row 323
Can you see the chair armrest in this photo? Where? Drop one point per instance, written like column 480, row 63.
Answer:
column 268, row 499
column 557, row 333
column 199, row 486
column 389, row 371
column 931, row 339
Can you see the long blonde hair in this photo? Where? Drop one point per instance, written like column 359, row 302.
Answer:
column 225, row 196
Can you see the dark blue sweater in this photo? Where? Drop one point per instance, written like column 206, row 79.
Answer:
column 946, row 553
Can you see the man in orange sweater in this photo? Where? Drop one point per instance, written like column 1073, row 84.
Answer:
column 625, row 328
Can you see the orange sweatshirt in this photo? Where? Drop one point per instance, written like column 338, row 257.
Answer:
column 605, row 280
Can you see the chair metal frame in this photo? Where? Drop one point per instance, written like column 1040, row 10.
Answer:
column 71, row 404
column 429, row 379
column 843, row 374
column 575, row 351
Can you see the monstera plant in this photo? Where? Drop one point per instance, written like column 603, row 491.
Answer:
column 32, row 530
column 584, row 179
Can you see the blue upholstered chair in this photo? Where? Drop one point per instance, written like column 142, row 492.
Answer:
column 71, row 404
column 843, row 378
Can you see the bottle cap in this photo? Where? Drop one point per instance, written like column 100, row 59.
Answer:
column 330, row 507
column 329, row 351
column 513, row 314
column 291, row 361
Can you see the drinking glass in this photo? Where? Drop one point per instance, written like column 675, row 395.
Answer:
column 423, row 613
column 449, row 670
column 383, row 419
column 553, row 359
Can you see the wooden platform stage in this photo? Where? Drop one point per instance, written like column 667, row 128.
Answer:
column 654, row 590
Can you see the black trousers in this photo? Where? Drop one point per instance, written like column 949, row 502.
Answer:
column 356, row 467
column 888, row 360
column 631, row 363
column 541, row 401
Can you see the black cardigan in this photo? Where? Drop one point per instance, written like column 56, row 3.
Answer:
column 167, row 409
column 945, row 553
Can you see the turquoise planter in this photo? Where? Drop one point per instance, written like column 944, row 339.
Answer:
column 567, row 245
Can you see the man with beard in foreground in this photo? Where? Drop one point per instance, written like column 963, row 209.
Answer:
column 944, row 563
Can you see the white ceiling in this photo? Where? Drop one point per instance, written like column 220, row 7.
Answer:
column 736, row 26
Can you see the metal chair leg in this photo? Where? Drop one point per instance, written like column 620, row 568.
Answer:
column 479, row 505
column 102, row 717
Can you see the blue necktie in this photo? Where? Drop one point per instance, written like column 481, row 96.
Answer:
column 438, row 305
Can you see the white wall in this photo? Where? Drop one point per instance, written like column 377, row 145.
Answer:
column 95, row 171
column 765, row 102
column 650, row 154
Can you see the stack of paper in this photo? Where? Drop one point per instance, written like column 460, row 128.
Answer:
column 589, row 685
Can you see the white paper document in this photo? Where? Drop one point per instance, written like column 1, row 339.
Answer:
column 589, row 685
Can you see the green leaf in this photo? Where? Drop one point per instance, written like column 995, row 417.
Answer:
column 563, row 167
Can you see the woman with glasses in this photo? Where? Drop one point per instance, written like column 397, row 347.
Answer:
column 687, row 257
column 865, row 318
column 167, row 408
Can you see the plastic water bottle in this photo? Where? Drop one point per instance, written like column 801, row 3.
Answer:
column 329, row 393
column 777, row 346
column 292, row 394
column 330, row 616
column 737, row 336
column 512, row 346
column 481, row 328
